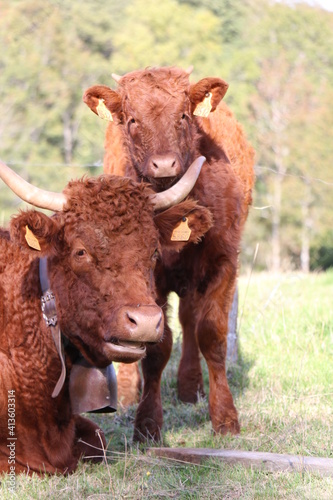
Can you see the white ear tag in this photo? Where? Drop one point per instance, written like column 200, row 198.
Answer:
column 204, row 107
column 103, row 111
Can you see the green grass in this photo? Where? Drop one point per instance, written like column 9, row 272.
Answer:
column 282, row 386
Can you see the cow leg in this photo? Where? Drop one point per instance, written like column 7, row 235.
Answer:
column 90, row 440
column 128, row 384
column 212, row 330
column 190, row 382
column 149, row 415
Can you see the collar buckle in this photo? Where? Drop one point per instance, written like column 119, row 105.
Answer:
column 49, row 308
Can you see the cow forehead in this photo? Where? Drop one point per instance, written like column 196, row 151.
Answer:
column 109, row 209
column 104, row 235
column 105, row 239
column 155, row 90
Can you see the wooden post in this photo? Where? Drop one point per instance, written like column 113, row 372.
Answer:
column 259, row 460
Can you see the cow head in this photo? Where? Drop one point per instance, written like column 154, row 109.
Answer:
column 101, row 247
column 156, row 111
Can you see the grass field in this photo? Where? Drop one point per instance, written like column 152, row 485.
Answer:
column 282, row 386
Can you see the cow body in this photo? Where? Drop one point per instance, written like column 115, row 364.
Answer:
column 101, row 251
column 45, row 432
column 155, row 134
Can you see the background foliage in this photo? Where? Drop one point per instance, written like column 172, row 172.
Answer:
column 277, row 58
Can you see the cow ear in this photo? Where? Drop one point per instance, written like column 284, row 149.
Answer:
column 182, row 224
column 206, row 94
column 36, row 232
column 103, row 101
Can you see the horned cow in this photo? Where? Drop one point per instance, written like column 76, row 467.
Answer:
column 159, row 124
column 100, row 248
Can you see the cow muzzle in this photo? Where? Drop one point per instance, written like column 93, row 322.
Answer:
column 143, row 323
column 135, row 327
column 161, row 166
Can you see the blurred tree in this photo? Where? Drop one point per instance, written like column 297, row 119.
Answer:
column 231, row 15
column 287, row 109
column 277, row 59
column 46, row 66
column 168, row 33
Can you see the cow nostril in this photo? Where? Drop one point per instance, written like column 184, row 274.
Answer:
column 131, row 320
column 155, row 165
column 159, row 323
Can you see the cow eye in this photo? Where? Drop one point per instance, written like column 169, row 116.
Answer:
column 132, row 126
column 155, row 255
column 131, row 122
column 81, row 252
column 81, row 260
column 184, row 120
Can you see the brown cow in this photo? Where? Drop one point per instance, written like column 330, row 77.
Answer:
column 100, row 270
column 160, row 123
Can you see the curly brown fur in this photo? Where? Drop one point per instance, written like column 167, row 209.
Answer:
column 101, row 253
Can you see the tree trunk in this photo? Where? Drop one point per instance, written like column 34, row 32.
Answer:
column 68, row 138
column 276, row 247
column 306, row 228
column 277, row 203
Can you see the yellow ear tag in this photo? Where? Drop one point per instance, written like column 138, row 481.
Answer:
column 182, row 232
column 103, row 111
column 31, row 239
column 204, row 107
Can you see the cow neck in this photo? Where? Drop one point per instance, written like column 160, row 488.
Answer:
column 50, row 316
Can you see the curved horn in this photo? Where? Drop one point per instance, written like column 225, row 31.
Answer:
column 189, row 70
column 116, row 77
column 179, row 191
column 29, row 193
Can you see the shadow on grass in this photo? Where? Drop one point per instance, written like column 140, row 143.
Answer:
column 179, row 418
column 178, row 415
column 238, row 375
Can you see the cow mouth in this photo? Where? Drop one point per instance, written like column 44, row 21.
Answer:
column 129, row 344
column 163, row 183
column 127, row 348
column 160, row 183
